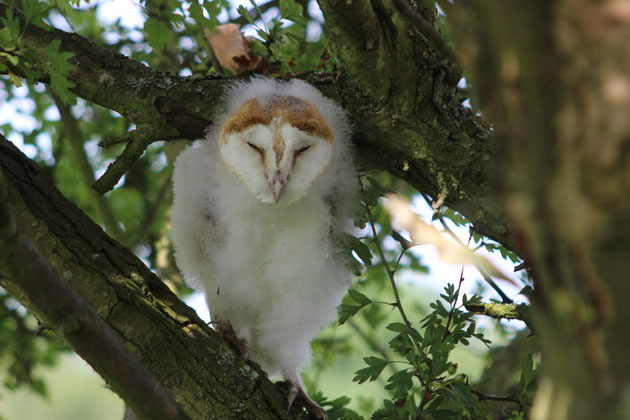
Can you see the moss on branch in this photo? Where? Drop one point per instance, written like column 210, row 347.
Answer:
column 399, row 93
column 201, row 372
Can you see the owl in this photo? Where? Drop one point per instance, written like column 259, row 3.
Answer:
column 259, row 207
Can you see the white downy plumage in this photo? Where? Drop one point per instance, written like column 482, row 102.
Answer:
column 259, row 205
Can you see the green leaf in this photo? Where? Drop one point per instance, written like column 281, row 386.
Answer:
column 34, row 11
column 242, row 10
column 60, row 71
column 397, row 327
column 11, row 30
column 196, row 12
column 158, row 33
column 289, row 9
column 359, row 297
column 400, row 382
column 346, row 311
column 351, row 243
column 370, row 373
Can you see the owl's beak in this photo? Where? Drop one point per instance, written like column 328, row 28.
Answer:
column 277, row 184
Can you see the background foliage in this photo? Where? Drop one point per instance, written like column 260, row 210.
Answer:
column 424, row 354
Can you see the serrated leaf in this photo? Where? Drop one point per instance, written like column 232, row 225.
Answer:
column 158, row 32
column 289, row 9
column 12, row 24
column 401, row 382
column 34, row 11
column 60, row 71
column 242, row 10
column 372, row 372
column 359, row 297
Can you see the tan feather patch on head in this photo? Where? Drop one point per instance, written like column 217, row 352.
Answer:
column 278, row 146
column 290, row 109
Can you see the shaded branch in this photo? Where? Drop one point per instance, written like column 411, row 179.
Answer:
column 77, row 323
column 408, row 122
column 202, row 373
column 137, row 142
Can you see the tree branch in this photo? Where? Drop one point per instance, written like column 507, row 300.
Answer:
column 201, row 372
column 408, row 121
column 77, row 323
column 435, row 38
column 520, row 311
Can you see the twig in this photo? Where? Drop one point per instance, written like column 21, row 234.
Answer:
column 254, row 12
column 521, row 266
column 436, row 39
column 485, row 275
column 487, row 397
column 77, row 322
column 454, row 303
column 389, row 272
column 518, row 311
column 137, row 141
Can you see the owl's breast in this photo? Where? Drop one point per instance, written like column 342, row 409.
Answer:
column 274, row 254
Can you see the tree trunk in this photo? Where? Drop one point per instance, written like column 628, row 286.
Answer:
column 553, row 77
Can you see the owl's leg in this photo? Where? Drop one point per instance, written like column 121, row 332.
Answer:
column 225, row 330
column 295, row 390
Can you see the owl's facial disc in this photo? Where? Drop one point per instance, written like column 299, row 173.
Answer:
column 279, row 160
column 276, row 163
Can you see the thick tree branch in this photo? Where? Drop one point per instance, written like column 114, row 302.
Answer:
column 202, row 373
column 77, row 323
column 408, row 120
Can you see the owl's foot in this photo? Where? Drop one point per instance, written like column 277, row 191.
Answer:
column 225, row 330
column 295, row 391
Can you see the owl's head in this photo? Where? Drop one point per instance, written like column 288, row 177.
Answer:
column 278, row 145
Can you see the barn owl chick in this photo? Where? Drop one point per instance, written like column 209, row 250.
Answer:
column 259, row 205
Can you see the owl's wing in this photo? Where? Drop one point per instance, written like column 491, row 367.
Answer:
column 192, row 219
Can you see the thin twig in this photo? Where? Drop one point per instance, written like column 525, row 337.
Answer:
column 487, row 397
column 389, row 272
column 454, row 303
column 485, row 275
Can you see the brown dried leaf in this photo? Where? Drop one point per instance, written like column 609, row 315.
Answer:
column 232, row 49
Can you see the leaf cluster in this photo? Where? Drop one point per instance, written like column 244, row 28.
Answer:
column 415, row 365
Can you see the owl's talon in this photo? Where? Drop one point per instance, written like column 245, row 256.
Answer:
column 225, row 330
column 295, row 390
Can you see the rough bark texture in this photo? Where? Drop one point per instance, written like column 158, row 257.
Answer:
column 202, row 373
column 400, row 95
column 553, row 76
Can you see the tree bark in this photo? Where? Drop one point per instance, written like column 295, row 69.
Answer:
column 553, row 76
column 201, row 372
column 400, row 95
